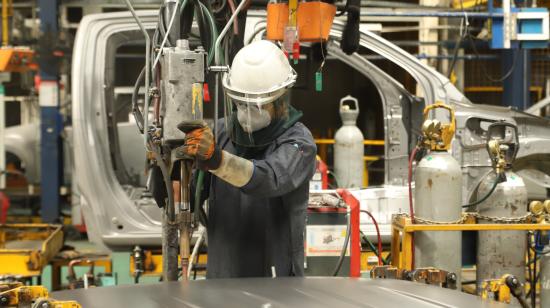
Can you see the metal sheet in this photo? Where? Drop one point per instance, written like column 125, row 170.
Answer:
column 279, row 292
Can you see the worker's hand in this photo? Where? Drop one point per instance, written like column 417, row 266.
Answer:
column 200, row 145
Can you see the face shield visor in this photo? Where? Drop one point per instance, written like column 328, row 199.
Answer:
column 251, row 117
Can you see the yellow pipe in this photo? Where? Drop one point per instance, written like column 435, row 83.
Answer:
column 370, row 158
column 365, row 142
column 476, row 227
column 292, row 13
column 5, row 23
column 466, row 4
column 537, row 89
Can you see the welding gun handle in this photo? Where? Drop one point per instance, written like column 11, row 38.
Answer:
column 191, row 125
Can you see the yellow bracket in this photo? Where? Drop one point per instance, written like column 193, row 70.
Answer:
column 438, row 136
column 19, row 295
column 22, row 295
column 28, row 261
column 498, row 288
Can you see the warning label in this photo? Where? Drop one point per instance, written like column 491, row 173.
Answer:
column 325, row 241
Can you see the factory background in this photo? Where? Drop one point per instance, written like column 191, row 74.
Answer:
column 459, row 87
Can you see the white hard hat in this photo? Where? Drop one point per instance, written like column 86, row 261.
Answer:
column 260, row 74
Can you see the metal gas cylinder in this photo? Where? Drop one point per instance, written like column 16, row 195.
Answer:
column 438, row 196
column 348, row 147
column 501, row 252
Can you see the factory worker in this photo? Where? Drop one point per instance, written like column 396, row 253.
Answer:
column 259, row 170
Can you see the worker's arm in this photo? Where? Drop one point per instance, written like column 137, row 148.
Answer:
column 290, row 165
column 283, row 170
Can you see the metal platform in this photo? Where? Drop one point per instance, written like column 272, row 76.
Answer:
column 277, row 292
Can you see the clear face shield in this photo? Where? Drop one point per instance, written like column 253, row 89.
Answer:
column 249, row 116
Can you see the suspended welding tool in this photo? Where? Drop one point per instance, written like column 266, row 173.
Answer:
column 438, row 192
column 178, row 73
column 501, row 193
column 182, row 83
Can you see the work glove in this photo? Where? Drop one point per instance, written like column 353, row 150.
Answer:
column 200, row 145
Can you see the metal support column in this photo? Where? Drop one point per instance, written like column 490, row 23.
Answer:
column 516, row 86
column 51, row 124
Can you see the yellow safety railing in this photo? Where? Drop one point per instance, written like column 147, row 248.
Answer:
column 403, row 229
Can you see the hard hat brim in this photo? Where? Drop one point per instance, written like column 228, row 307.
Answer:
column 258, row 98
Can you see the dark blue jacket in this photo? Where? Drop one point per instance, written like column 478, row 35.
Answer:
column 259, row 227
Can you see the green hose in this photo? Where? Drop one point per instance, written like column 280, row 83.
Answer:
column 200, row 177
column 198, row 188
column 373, row 248
column 214, row 31
column 183, row 3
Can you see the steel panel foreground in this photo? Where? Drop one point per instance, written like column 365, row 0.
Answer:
column 276, row 292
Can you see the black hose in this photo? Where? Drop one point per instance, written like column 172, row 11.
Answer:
column 204, row 26
column 186, row 20
column 203, row 218
column 455, row 54
column 161, row 24
column 498, row 178
column 344, row 248
column 343, row 11
column 260, row 29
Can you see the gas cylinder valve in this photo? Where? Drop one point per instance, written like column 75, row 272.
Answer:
column 502, row 149
column 437, row 136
